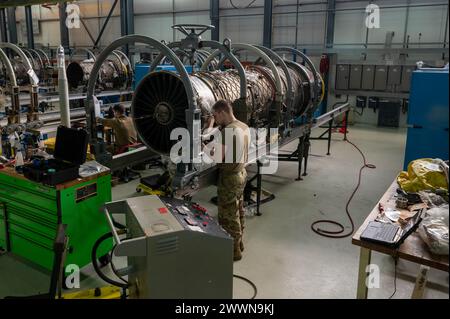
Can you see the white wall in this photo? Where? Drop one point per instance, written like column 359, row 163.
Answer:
column 93, row 12
column 433, row 27
column 241, row 29
column 48, row 30
column 430, row 21
column 366, row 116
column 311, row 25
column 154, row 18
column 349, row 24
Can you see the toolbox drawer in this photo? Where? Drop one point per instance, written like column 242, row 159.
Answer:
column 48, row 231
column 28, row 234
column 27, row 185
column 37, row 214
column 31, row 214
column 33, row 200
column 2, row 229
column 31, row 250
column 34, row 211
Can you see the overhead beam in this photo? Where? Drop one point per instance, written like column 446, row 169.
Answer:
column 296, row 27
column 3, row 26
column 19, row 3
column 105, row 24
column 12, row 27
column 267, row 35
column 87, row 30
column 123, row 18
column 130, row 16
column 127, row 17
column 405, row 30
column 63, row 30
column 126, row 20
column 214, row 16
column 29, row 23
column 331, row 13
column 446, row 28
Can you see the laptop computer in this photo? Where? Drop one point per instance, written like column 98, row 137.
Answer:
column 390, row 234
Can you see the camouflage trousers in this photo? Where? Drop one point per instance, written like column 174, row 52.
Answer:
column 230, row 191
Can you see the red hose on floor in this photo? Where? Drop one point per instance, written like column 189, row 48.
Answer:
column 340, row 233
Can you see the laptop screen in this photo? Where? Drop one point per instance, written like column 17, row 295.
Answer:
column 412, row 223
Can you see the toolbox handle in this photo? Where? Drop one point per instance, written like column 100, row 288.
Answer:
column 130, row 247
column 111, row 225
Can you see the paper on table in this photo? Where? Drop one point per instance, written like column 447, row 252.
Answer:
column 406, row 214
column 418, row 206
column 392, row 214
column 91, row 168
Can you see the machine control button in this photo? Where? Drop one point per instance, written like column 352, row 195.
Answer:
column 162, row 210
column 190, row 221
column 182, row 210
column 199, row 208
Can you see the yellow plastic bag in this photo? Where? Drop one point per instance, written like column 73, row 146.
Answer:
column 423, row 174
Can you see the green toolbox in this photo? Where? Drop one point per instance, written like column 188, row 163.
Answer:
column 30, row 212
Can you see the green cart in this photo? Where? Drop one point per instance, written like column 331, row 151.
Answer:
column 31, row 211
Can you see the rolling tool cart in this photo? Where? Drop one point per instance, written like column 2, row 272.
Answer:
column 30, row 211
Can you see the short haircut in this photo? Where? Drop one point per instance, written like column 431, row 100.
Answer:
column 119, row 108
column 222, row 106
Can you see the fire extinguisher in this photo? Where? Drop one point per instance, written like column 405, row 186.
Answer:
column 324, row 64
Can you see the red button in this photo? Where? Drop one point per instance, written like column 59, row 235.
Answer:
column 205, row 223
column 162, row 210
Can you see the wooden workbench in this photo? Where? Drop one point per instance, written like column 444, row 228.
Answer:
column 11, row 171
column 413, row 249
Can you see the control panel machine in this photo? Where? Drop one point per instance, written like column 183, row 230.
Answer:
column 174, row 249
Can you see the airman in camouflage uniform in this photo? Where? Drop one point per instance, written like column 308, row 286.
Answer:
column 232, row 174
column 230, row 189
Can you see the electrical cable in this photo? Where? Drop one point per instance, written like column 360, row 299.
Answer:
column 255, row 289
column 322, row 93
column 236, row 7
column 395, row 277
column 96, row 266
column 119, row 225
column 113, row 267
column 340, row 233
